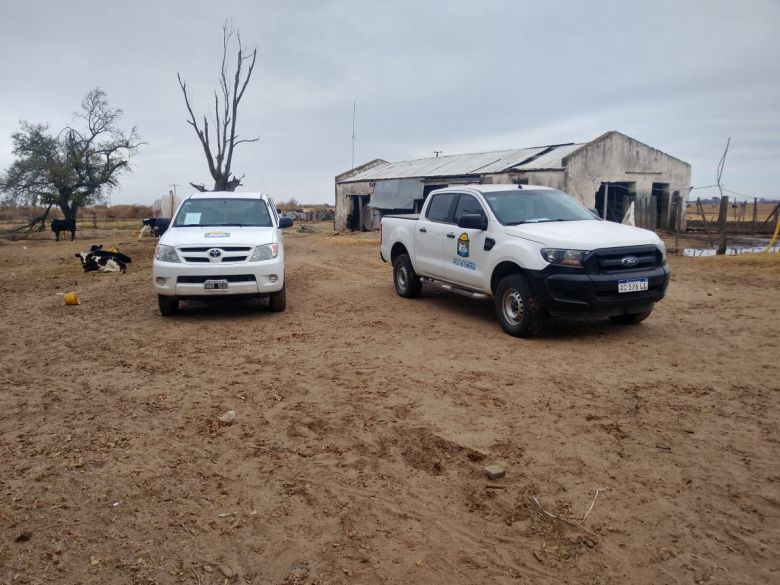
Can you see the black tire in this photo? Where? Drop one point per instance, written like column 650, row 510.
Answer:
column 278, row 300
column 168, row 305
column 517, row 310
column 407, row 283
column 631, row 319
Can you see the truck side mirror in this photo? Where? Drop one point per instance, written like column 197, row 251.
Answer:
column 472, row 221
column 285, row 222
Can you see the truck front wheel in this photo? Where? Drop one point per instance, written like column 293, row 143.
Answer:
column 168, row 305
column 517, row 309
column 278, row 300
column 407, row 283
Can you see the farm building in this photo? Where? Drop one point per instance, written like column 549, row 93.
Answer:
column 607, row 174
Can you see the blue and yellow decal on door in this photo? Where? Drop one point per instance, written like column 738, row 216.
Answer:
column 463, row 245
column 463, row 251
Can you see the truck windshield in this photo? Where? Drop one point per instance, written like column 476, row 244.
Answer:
column 223, row 212
column 535, row 206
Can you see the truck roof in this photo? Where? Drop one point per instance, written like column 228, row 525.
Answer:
column 493, row 187
column 230, row 194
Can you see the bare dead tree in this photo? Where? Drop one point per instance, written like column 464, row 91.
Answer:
column 219, row 153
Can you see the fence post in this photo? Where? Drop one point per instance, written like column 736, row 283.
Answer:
column 722, row 220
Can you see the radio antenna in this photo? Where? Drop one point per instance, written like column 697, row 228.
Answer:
column 354, row 107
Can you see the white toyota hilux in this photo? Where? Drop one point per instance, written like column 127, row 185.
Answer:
column 534, row 251
column 221, row 244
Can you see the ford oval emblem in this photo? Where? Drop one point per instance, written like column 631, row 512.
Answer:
column 629, row 261
column 214, row 253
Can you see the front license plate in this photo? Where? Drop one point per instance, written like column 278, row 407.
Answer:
column 632, row 285
column 215, row 284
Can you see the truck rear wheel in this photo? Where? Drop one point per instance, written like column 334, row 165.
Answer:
column 278, row 300
column 631, row 319
column 407, row 283
column 168, row 305
column 517, row 309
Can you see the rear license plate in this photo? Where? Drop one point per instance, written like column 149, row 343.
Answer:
column 215, row 284
column 632, row 285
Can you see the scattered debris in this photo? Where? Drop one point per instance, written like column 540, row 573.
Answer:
column 494, row 471
column 71, row 298
column 228, row 418
column 569, row 522
column 24, row 536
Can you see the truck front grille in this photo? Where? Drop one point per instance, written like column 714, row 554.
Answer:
column 614, row 260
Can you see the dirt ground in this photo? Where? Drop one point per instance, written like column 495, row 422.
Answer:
column 364, row 422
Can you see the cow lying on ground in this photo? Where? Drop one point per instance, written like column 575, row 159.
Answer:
column 156, row 225
column 64, row 225
column 101, row 260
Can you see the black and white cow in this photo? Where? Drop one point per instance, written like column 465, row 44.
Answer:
column 100, row 260
column 156, row 225
column 64, row 225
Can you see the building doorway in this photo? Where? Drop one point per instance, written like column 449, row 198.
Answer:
column 660, row 193
column 357, row 212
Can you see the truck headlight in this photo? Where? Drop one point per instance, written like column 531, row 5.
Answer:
column 564, row 257
column 264, row 252
column 662, row 249
column 166, row 254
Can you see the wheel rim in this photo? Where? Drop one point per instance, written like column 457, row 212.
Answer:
column 403, row 277
column 513, row 306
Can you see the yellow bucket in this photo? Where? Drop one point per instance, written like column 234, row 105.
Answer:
column 71, row 299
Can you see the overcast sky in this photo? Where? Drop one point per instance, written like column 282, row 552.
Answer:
column 457, row 76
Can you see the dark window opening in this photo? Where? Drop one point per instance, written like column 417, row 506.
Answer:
column 618, row 198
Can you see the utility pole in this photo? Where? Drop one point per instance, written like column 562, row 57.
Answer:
column 606, row 197
column 173, row 196
column 724, row 204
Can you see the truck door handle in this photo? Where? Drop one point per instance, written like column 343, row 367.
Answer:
column 423, row 230
column 450, row 235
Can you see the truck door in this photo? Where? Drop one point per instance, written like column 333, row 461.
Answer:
column 430, row 234
column 464, row 249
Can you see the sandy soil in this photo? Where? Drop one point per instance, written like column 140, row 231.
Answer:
column 364, row 422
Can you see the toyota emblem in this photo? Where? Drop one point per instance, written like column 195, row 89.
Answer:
column 629, row 261
column 214, row 253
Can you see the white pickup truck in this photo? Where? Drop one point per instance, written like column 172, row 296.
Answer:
column 535, row 251
column 221, row 244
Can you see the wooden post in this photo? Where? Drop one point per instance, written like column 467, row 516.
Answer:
column 722, row 220
column 755, row 216
column 700, row 209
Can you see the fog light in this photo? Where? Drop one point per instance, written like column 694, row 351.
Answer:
column 160, row 280
column 273, row 278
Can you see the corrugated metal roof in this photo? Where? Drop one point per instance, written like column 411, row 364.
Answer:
column 539, row 157
column 549, row 160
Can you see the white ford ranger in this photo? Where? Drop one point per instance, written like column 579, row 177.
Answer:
column 220, row 244
column 535, row 251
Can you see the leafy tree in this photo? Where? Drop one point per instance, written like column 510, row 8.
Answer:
column 74, row 168
column 219, row 154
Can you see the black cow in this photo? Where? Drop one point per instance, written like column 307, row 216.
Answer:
column 99, row 260
column 157, row 225
column 64, row 225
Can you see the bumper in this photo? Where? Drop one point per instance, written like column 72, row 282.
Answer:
column 566, row 290
column 245, row 278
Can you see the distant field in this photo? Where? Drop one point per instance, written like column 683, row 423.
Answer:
column 735, row 213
